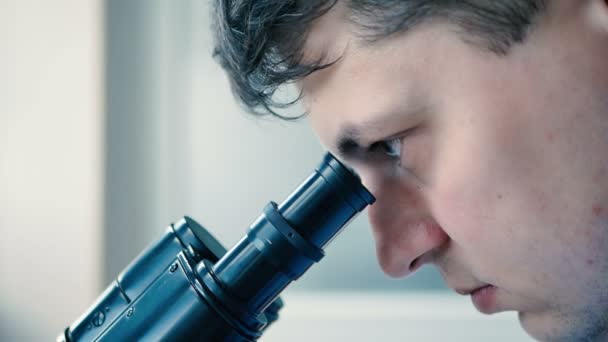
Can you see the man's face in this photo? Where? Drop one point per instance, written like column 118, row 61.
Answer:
column 501, row 174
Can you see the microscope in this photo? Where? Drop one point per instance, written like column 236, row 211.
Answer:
column 187, row 287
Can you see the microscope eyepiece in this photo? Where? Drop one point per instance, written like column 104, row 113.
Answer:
column 289, row 238
column 326, row 201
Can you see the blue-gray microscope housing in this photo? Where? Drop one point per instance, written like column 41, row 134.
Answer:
column 187, row 287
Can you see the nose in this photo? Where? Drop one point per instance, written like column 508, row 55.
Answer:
column 405, row 232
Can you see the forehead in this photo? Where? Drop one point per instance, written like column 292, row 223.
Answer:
column 369, row 79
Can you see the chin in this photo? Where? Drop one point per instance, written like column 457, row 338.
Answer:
column 557, row 327
column 541, row 326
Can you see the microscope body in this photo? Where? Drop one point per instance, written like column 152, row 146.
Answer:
column 187, row 287
column 159, row 295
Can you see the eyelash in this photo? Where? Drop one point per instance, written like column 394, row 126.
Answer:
column 390, row 147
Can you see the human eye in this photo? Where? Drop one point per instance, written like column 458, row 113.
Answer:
column 389, row 147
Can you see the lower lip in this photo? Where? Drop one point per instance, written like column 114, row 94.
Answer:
column 484, row 299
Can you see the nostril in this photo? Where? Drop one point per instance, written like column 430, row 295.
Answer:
column 414, row 265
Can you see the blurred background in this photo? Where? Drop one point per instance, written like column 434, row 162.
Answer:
column 114, row 122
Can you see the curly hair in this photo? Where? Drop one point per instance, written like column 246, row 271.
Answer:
column 259, row 43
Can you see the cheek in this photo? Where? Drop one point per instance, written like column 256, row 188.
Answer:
column 482, row 206
column 492, row 243
column 462, row 210
column 463, row 187
column 504, row 223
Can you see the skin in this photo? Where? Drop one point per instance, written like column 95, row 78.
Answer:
column 502, row 174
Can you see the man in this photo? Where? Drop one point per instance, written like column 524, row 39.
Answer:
column 480, row 126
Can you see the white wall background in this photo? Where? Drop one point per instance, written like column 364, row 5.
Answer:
column 426, row 316
column 50, row 164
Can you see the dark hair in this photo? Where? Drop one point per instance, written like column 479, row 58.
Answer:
column 259, row 42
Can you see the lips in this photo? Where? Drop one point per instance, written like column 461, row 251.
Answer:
column 484, row 299
column 466, row 292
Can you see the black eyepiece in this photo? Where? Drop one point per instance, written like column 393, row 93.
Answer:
column 288, row 238
column 326, row 201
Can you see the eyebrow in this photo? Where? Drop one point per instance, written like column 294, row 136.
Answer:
column 350, row 143
column 354, row 140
